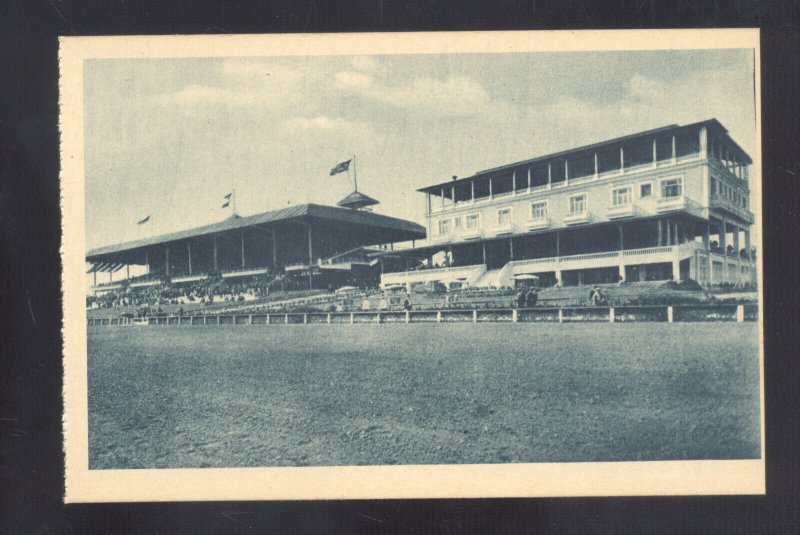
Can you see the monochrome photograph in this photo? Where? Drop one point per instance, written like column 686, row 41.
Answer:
column 407, row 265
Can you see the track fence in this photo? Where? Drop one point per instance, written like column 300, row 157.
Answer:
column 618, row 314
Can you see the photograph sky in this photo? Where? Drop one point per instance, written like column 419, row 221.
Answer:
column 168, row 138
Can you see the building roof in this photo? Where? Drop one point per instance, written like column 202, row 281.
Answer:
column 402, row 229
column 711, row 124
column 357, row 200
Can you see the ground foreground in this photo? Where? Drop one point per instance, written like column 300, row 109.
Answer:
column 299, row 395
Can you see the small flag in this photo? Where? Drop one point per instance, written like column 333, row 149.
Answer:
column 227, row 203
column 342, row 167
column 143, row 221
column 228, row 196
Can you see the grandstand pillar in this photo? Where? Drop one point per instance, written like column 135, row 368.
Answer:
column 511, row 249
column 558, row 243
column 549, row 175
column 94, row 277
column 674, row 151
column 703, row 143
column 274, row 251
column 243, row 249
column 723, row 236
column 707, row 236
column 189, row 255
column 491, row 192
column 216, row 248
column 669, row 232
column 310, row 260
column 127, row 271
column 622, row 160
column 483, row 248
column 595, row 165
column 747, row 244
column 676, row 268
column 660, row 233
column 166, row 260
column 655, row 153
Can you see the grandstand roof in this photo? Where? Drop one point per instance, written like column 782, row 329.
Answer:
column 712, row 124
column 375, row 228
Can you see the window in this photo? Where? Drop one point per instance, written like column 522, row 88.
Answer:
column 577, row 204
column 539, row 210
column 473, row 221
column 621, row 196
column 504, row 216
column 646, row 190
column 444, row 227
column 671, row 188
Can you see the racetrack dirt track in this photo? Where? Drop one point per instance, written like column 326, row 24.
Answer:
column 299, row 395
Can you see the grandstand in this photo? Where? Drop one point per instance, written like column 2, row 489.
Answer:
column 247, row 260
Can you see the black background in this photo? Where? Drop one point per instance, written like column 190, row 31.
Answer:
column 31, row 463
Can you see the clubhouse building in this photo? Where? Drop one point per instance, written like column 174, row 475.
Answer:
column 670, row 203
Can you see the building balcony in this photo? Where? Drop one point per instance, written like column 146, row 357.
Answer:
column 671, row 204
column 539, row 223
column 471, row 233
column 623, row 210
column 505, row 228
column 577, row 218
column 721, row 203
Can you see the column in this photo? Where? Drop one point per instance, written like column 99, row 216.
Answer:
column 549, row 175
column 566, row 172
column 621, row 160
column 453, row 194
column 514, row 182
column 442, row 192
column 483, row 247
column 676, row 267
column 216, row 247
column 723, row 236
column 491, row 193
column 703, row 143
column 558, row 243
column 595, row 165
column 243, row 249
column 655, row 152
column 94, row 277
column 621, row 252
column 166, row 259
column 310, row 260
column 669, row 232
column 674, row 151
column 660, row 233
column 707, row 236
column 529, row 179
column 747, row 244
column 275, row 248
column 472, row 189
column 127, row 271
column 511, row 249
column 189, row 254
column 147, row 261
column 428, row 200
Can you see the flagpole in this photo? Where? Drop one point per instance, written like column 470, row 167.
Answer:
column 234, row 201
column 355, row 173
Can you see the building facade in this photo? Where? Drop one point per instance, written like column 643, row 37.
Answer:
column 671, row 203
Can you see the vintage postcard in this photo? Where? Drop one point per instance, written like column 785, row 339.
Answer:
column 420, row 265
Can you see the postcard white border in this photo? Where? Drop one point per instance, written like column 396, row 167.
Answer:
column 364, row 482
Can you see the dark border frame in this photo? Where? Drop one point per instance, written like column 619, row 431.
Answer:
column 31, row 462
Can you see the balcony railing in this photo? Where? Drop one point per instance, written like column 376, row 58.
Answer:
column 730, row 206
column 670, row 204
column 623, row 210
column 577, row 218
column 503, row 228
column 539, row 223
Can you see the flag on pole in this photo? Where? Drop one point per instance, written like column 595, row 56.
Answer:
column 228, row 196
column 342, row 167
column 227, row 200
column 143, row 221
column 227, row 203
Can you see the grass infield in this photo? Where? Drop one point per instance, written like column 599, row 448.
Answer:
column 299, row 395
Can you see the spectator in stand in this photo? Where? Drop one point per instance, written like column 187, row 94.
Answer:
column 384, row 303
column 521, row 299
column 531, row 298
column 365, row 306
column 407, row 303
